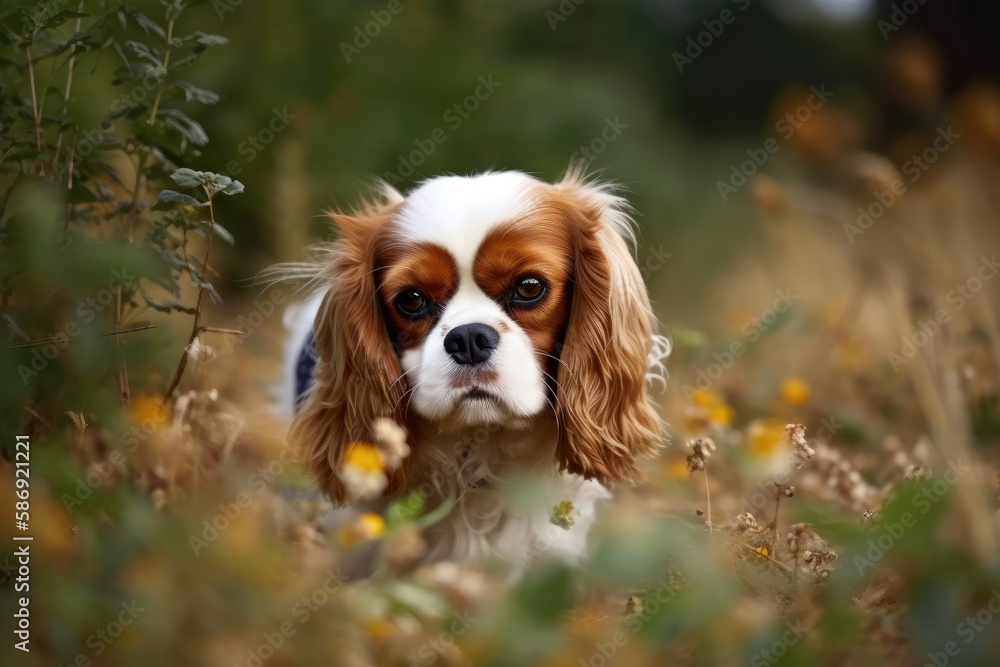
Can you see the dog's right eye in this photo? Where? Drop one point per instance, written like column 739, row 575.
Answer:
column 412, row 304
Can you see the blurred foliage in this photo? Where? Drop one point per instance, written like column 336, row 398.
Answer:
column 177, row 532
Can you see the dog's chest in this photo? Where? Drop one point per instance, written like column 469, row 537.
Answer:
column 509, row 500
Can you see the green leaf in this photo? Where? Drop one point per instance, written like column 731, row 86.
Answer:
column 216, row 181
column 149, row 53
column 233, row 188
column 173, row 259
column 180, row 121
column 420, row 600
column 194, row 93
column 208, row 40
column 83, row 38
column 187, row 178
column 224, row 234
column 404, row 510
column 61, row 17
column 169, row 197
column 144, row 22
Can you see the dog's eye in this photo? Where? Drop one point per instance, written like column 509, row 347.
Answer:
column 527, row 290
column 412, row 303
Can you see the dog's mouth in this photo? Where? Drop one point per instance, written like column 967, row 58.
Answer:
column 478, row 394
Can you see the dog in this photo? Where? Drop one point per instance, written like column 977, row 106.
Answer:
column 503, row 322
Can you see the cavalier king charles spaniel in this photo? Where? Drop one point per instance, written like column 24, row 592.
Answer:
column 504, row 323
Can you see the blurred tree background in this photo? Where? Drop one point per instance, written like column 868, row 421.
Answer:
column 764, row 145
column 362, row 97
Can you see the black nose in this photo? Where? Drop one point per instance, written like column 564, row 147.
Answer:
column 471, row 343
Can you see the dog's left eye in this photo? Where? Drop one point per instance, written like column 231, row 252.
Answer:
column 412, row 304
column 527, row 290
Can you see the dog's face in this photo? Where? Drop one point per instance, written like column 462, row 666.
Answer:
column 475, row 287
column 497, row 299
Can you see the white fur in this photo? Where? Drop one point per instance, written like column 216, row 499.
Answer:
column 480, row 470
column 457, row 214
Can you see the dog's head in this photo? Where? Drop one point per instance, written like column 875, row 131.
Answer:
column 496, row 299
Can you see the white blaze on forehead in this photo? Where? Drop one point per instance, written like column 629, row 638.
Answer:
column 457, row 212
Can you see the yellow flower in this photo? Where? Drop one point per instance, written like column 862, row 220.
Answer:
column 705, row 398
column 378, row 629
column 363, row 472
column 677, row 469
column 795, row 391
column 149, row 411
column 712, row 407
column 369, row 526
column 721, row 415
column 765, row 437
column 365, row 457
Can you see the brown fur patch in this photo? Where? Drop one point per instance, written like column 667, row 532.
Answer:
column 425, row 267
column 538, row 245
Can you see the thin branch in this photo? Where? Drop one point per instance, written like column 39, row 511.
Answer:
column 69, row 184
column 34, row 104
column 235, row 332
column 63, row 339
column 771, row 560
column 166, row 66
column 196, row 327
column 66, row 92
column 41, row 420
column 708, row 502
column 122, row 368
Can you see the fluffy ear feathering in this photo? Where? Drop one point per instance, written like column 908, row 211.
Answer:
column 607, row 420
column 608, row 350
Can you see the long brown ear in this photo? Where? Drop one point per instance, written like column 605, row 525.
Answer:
column 606, row 417
column 357, row 371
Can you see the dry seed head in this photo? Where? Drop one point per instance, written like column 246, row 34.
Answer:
column 701, row 451
column 746, row 522
column 796, row 434
column 198, row 351
column 391, row 438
